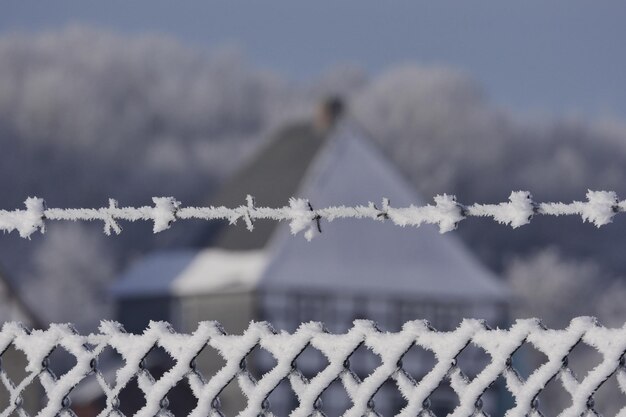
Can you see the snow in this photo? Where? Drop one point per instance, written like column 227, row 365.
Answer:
column 26, row 222
column 599, row 209
column 499, row 345
column 189, row 272
column 446, row 213
column 517, row 212
column 302, row 217
column 164, row 212
column 214, row 270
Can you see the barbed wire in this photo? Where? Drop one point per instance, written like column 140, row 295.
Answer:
column 446, row 213
column 499, row 344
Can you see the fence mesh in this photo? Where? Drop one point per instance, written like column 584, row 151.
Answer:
column 284, row 351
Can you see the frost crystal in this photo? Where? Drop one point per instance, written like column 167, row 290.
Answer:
column 498, row 344
column 447, row 213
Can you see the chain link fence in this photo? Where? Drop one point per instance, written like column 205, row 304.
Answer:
column 470, row 385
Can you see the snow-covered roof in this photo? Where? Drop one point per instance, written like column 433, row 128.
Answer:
column 188, row 272
column 370, row 257
column 217, row 270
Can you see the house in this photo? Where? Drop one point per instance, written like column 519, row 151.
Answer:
column 13, row 308
column 355, row 269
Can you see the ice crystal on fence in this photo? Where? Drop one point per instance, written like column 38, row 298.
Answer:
column 391, row 348
column 447, row 213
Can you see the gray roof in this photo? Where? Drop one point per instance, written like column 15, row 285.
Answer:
column 272, row 177
column 355, row 257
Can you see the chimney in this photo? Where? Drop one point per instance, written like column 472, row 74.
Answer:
column 329, row 112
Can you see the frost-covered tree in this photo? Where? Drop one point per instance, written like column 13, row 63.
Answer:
column 553, row 288
column 86, row 115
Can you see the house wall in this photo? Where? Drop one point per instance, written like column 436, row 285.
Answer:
column 233, row 310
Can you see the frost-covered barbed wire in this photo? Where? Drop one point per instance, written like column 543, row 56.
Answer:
column 446, row 213
column 499, row 344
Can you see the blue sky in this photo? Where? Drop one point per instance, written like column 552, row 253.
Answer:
column 557, row 57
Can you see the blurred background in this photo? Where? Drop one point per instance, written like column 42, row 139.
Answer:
column 342, row 103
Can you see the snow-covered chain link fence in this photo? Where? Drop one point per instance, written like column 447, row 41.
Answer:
column 446, row 213
column 499, row 344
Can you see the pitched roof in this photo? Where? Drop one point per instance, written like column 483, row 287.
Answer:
column 354, row 256
column 272, row 177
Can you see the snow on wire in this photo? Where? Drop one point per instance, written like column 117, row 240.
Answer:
column 499, row 345
column 446, row 213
